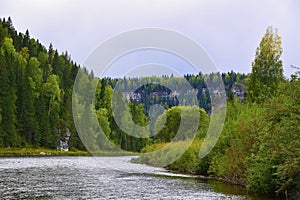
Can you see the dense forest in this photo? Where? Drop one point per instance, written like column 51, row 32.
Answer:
column 36, row 93
column 259, row 147
column 36, row 90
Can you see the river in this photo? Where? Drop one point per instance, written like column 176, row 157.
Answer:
column 103, row 178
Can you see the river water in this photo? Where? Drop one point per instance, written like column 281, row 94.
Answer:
column 103, row 178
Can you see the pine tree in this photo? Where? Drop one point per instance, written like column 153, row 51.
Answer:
column 26, row 39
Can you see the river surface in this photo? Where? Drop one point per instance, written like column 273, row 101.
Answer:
column 103, row 178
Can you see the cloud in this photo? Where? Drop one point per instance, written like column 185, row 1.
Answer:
column 229, row 30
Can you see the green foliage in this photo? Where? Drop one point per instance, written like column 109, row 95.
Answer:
column 190, row 162
column 162, row 154
column 259, row 145
column 8, row 96
column 279, row 153
column 170, row 128
column 267, row 71
column 163, row 151
column 237, row 141
column 33, row 98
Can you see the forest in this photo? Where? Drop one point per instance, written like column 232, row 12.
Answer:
column 259, row 146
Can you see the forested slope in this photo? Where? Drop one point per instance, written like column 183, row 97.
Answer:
column 36, row 89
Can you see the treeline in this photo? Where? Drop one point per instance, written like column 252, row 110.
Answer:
column 166, row 90
column 36, row 94
column 35, row 91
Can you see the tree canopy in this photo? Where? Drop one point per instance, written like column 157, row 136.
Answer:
column 267, row 70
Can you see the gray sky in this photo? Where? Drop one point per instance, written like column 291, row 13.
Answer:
column 228, row 30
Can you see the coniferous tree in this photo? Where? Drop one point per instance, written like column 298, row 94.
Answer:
column 8, row 95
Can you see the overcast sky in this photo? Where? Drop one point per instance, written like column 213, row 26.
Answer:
column 229, row 30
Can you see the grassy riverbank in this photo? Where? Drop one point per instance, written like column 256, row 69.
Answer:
column 40, row 152
column 7, row 152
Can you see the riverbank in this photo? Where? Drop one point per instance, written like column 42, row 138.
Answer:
column 8, row 152
column 189, row 163
column 19, row 152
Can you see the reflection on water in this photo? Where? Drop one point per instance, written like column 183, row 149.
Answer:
column 101, row 178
